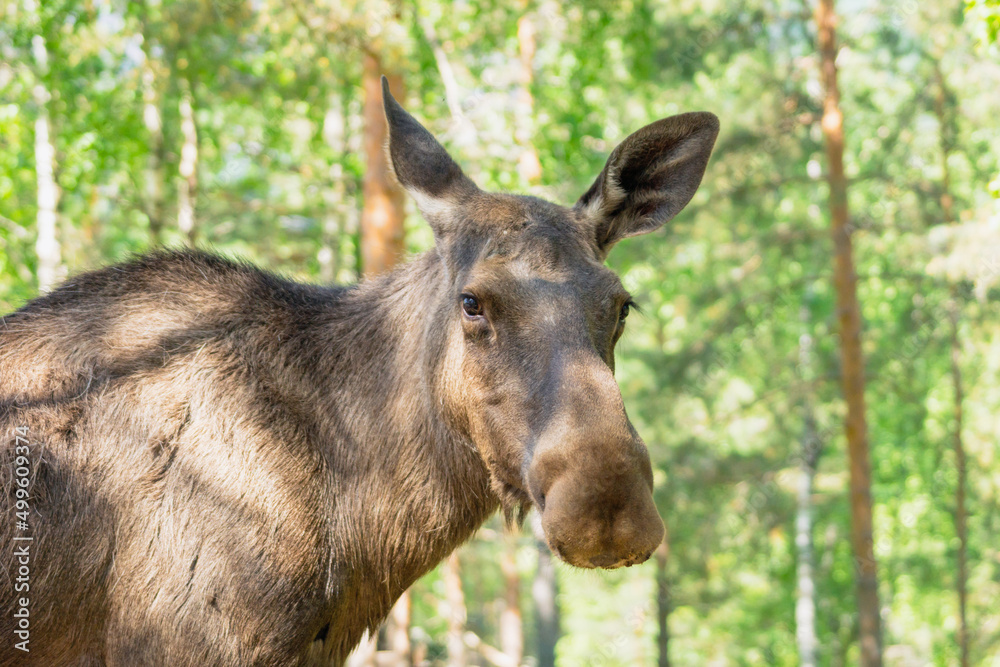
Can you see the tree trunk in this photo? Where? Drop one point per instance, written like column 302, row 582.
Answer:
column 339, row 210
column 398, row 632
column 805, row 602
column 545, row 592
column 945, row 137
column 382, row 215
column 528, row 164
column 153, row 189
column 187, row 191
column 456, row 611
column 511, row 636
column 852, row 360
column 328, row 256
column 451, row 90
column 663, row 602
column 50, row 270
column 364, row 654
column 961, row 528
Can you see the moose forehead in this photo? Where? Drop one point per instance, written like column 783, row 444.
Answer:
column 527, row 247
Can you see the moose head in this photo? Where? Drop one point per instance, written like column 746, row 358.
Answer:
column 528, row 317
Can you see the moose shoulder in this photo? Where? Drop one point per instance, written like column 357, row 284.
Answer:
column 231, row 468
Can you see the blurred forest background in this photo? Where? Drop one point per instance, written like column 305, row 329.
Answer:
column 252, row 127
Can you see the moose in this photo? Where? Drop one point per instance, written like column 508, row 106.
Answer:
column 225, row 467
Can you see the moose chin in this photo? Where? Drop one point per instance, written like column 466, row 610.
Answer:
column 231, row 468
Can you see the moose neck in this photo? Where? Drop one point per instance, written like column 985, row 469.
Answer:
column 406, row 486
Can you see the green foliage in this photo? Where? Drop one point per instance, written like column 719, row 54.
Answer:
column 710, row 371
column 985, row 15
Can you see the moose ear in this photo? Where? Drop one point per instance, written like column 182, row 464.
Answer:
column 650, row 177
column 423, row 166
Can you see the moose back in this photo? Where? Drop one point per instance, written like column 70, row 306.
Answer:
column 219, row 466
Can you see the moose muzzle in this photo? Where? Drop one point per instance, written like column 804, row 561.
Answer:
column 591, row 477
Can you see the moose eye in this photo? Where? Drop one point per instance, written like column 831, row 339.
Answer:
column 624, row 313
column 471, row 306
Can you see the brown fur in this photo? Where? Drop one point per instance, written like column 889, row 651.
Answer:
column 231, row 468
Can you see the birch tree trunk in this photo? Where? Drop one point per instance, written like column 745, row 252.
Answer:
column 805, row 601
column 187, row 189
column 398, row 632
column 364, row 654
column 662, row 557
column 961, row 516
column 946, row 138
column 545, row 591
column 852, row 359
column 153, row 181
column 511, row 635
column 339, row 211
column 47, row 249
column 528, row 164
column 328, row 255
column 455, row 599
column 451, row 90
column 383, row 213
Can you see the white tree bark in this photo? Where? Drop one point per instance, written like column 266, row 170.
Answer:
column 188, row 187
column 340, row 214
column 528, row 164
column 805, row 602
column 805, row 605
column 511, row 635
column 545, row 592
column 364, row 654
column 452, row 96
column 153, row 189
column 456, row 611
column 398, row 631
column 47, row 249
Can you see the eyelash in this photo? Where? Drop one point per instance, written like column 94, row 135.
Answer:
column 626, row 309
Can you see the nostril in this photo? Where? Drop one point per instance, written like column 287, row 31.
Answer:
column 538, row 490
column 557, row 548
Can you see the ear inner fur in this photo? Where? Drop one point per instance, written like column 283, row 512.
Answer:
column 650, row 177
